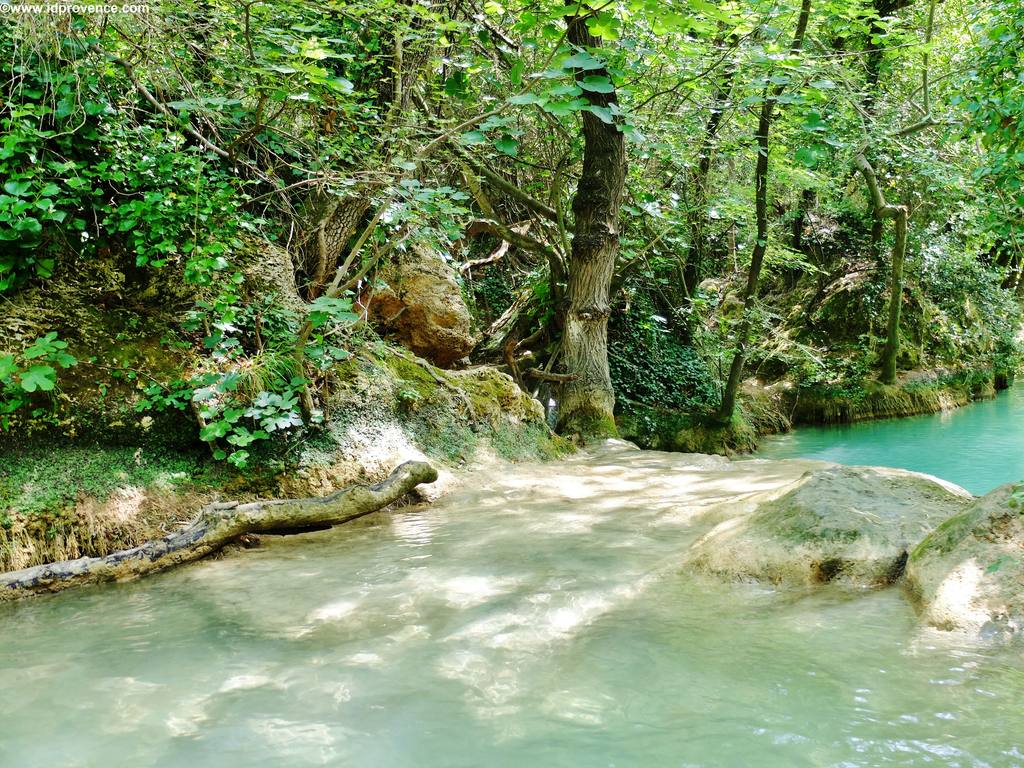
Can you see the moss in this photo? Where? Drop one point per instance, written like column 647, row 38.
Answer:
column 411, row 374
column 759, row 414
column 668, row 430
column 947, row 535
column 588, row 424
column 448, row 414
column 41, row 480
column 66, row 501
column 444, row 438
column 529, row 442
column 870, row 399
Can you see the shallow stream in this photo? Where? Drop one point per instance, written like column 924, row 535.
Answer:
column 533, row 618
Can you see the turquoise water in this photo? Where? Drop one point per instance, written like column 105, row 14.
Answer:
column 537, row 618
column 978, row 447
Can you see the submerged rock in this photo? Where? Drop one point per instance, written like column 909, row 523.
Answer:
column 968, row 574
column 853, row 525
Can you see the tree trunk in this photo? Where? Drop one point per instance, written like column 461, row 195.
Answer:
column 892, row 333
column 764, row 125
column 217, row 524
column 883, row 210
column 587, row 402
column 873, row 62
column 693, row 270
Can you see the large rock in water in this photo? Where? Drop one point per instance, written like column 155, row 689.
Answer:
column 421, row 307
column 853, row 525
column 968, row 574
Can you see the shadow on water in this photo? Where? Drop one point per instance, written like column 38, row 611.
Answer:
column 533, row 618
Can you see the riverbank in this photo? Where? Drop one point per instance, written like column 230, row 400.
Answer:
column 66, row 498
column 776, row 408
column 90, row 498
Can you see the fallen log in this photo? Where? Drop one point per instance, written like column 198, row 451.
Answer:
column 217, row 524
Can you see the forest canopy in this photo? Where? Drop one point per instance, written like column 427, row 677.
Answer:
column 642, row 204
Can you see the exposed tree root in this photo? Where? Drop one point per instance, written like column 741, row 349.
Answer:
column 217, row 525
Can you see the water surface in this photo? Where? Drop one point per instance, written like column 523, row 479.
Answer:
column 536, row 618
column 978, row 447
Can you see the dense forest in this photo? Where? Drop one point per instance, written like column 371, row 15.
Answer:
column 227, row 226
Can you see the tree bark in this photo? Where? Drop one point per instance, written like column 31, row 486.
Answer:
column 883, row 210
column 217, row 525
column 764, row 126
column 587, row 401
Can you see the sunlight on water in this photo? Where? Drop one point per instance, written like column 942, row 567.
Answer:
column 978, row 447
column 534, row 618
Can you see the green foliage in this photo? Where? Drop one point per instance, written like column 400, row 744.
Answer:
column 301, row 105
column 650, row 365
column 32, row 370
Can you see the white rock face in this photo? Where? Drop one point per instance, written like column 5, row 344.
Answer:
column 968, row 574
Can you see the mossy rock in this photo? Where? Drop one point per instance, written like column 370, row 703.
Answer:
column 759, row 413
column 669, row 430
column 450, row 415
column 918, row 392
column 968, row 574
column 852, row 525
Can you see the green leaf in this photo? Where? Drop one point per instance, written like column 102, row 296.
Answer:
column 39, row 377
column 526, row 98
column 563, row 108
column 604, row 25
column 214, row 430
column 17, row 188
column 239, row 458
column 596, row 84
column 508, row 145
column 7, row 366
column 582, row 60
column 340, row 84
column 563, row 90
column 604, row 113
column 473, row 137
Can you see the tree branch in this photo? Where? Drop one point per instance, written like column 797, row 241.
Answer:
column 216, row 525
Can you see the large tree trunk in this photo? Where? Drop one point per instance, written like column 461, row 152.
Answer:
column 217, row 524
column 892, row 332
column 764, row 125
column 587, row 402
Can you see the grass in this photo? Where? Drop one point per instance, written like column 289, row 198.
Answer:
column 42, row 480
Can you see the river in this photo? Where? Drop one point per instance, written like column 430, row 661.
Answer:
column 978, row 447
column 535, row 617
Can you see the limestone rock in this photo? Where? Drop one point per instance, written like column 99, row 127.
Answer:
column 421, row 306
column 968, row 574
column 268, row 269
column 854, row 525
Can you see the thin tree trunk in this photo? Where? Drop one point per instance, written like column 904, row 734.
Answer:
column 883, row 210
column 892, row 331
column 764, row 125
column 217, row 524
column 697, row 250
column 588, row 402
